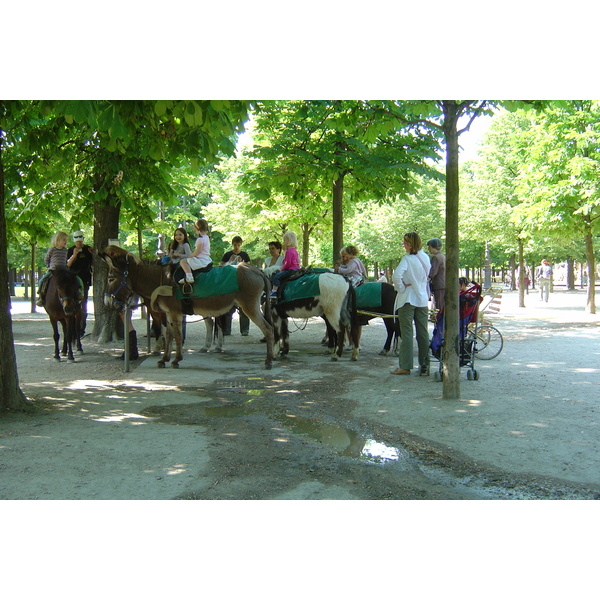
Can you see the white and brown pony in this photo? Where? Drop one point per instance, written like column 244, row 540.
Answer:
column 128, row 275
column 335, row 302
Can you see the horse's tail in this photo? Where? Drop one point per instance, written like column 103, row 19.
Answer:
column 266, row 306
column 353, row 318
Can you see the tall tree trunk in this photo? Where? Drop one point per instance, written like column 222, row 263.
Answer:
column 451, row 368
column 570, row 274
column 591, row 262
column 11, row 396
column 141, row 255
column 338, row 217
column 512, row 264
column 106, row 227
column 521, row 275
column 306, row 229
column 32, row 280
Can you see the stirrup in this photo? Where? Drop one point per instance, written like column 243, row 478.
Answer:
column 187, row 287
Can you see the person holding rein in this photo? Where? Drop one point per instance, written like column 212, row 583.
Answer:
column 80, row 260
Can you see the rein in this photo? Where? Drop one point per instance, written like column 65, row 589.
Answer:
column 298, row 328
column 122, row 285
column 374, row 314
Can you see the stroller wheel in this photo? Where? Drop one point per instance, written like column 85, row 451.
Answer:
column 472, row 374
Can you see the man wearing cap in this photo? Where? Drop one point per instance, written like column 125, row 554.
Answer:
column 80, row 259
column 437, row 273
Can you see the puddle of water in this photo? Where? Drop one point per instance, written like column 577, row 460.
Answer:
column 345, row 441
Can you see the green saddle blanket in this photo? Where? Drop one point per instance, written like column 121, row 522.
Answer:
column 368, row 295
column 217, row 281
column 306, row 286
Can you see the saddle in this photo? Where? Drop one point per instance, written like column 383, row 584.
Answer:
column 208, row 282
column 302, row 284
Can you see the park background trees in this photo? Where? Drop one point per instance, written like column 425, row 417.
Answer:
column 336, row 172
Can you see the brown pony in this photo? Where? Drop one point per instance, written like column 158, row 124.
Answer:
column 128, row 275
column 63, row 304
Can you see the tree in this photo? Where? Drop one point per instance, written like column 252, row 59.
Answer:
column 119, row 154
column 101, row 151
column 11, row 396
column 323, row 153
column 561, row 178
column 492, row 191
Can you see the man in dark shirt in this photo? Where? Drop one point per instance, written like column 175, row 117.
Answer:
column 80, row 259
column 234, row 257
column 437, row 273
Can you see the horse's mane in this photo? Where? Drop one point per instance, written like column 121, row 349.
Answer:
column 65, row 277
column 118, row 253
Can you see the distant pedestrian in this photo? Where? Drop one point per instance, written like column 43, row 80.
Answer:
column 544, row 279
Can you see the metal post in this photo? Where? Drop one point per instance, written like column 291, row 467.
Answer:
column 487, row 270
column 127, row 326
column 148, row 332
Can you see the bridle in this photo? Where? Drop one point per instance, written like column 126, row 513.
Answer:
column 122, row 286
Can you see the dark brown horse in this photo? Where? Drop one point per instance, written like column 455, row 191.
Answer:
column 63, row 304
column 128, row 275
column 369, row 308
column 383, row 309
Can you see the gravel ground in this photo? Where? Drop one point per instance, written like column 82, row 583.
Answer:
column 221, row 427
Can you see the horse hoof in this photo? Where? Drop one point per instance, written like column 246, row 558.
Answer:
column 203, row 350
column 160, row 364
column 334, row 358
column 174, row 365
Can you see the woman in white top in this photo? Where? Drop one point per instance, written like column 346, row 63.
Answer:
column 200, row 257
column 410, row 281
column 274, row 261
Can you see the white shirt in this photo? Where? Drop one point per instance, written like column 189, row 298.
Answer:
column 269, row 270
column 412, row 271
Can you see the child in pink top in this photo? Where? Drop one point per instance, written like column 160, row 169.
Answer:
column 291, row 262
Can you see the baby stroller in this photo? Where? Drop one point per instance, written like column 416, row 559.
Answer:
column 469, row 301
